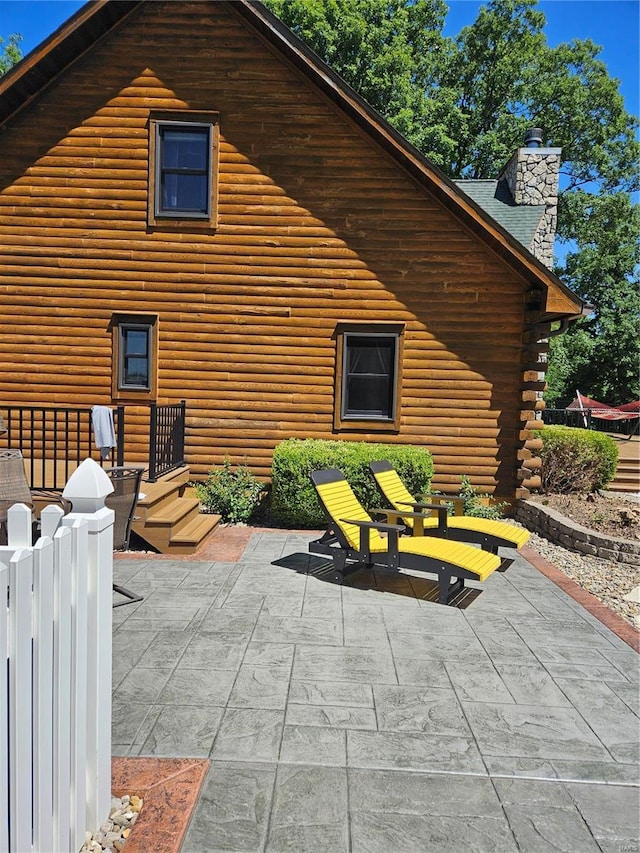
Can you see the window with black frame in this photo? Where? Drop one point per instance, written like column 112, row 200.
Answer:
column 369, row 376
column 183, row 170
column 135, row 356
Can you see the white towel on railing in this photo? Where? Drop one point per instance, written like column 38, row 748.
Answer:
column 103, row 432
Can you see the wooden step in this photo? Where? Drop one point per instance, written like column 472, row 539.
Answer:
column 631, row 484
column 170, row 520
column 627, row 477
column 174, row 513
column 188, row 539
column 179, row 476
column 156, row 497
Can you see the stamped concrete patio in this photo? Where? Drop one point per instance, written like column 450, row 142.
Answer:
column 368, row 718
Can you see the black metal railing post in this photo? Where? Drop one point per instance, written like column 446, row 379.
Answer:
column 180, row 432
column 153, row 436
column 120, row 436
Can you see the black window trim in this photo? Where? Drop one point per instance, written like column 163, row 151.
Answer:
column 172, row 220
column 346, row 416
column 134, row 326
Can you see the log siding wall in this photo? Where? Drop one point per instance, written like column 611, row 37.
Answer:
column 316, row 226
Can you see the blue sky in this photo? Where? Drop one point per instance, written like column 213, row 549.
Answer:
column 613, row 24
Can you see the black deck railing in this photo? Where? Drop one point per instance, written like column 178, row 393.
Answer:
column 588, row 419
column 54, row 440
column 166, row 438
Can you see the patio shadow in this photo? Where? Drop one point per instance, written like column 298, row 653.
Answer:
column 409, row 586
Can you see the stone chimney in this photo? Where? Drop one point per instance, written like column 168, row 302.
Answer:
column 532, row 177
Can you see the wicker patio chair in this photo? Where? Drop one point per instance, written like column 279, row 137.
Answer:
column 14, row 489
column 126, row 486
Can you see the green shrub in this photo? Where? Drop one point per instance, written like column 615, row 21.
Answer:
column 478, row 504
column 294, row 501
column 233, row 494
column 576, row 460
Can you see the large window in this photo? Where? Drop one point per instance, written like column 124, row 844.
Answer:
column 369, row 371
column 183, row 167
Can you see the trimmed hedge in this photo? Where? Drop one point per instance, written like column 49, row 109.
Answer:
column 576, row 460
column 294, row 501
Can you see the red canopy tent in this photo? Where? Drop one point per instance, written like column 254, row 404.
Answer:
column 604, row 412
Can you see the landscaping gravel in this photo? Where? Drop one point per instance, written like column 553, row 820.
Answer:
column 114, row 832
column 607, row 581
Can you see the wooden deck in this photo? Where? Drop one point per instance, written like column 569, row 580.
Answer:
column 627, row 476
column 168, row 517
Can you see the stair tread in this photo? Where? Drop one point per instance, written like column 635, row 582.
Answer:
column 181, row 474
column 197, row 529
column 154, row 492
column 173, row 511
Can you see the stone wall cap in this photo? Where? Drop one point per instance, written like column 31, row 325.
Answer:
column 545, row 151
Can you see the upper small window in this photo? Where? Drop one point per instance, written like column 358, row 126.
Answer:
column 183, row 168
column 183, row 177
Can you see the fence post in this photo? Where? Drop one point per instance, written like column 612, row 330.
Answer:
column 87, row 489
column 62, row 692
column 43, row 636
column 20, row 698
column 19, row 526
column 4, row 710
column 79, row 681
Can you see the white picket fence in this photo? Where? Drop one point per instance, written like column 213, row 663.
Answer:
column 55, row 688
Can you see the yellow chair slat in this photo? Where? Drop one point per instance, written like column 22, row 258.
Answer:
column 481, row 563
column 340, row 502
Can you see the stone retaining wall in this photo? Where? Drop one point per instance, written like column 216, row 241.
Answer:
column 563, row 531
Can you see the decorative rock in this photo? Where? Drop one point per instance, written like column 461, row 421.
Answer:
column 114, row 832
column 634, row 595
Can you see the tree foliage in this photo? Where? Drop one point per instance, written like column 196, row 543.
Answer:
column 600, row 355
column 10, row 52
column 465, row 102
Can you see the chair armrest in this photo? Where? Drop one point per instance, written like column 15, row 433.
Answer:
column 441, row 509
column 53, row 497
column 377, row 525
column 458, row 502
column 393, row 531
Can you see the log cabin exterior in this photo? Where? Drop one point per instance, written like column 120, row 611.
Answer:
column 321, row 234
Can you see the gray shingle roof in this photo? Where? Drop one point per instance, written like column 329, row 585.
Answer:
column 495, row 198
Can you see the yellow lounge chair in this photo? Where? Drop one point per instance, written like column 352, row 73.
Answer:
column 419, row 518
column 353, row 537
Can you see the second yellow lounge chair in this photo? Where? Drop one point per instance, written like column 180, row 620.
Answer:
column 486, row 532
column 353, row 537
